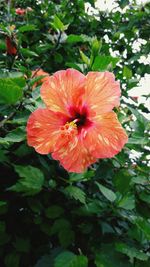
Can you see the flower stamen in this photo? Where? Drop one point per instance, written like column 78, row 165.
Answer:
column 69, row 129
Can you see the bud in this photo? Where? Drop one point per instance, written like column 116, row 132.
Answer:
column 11, row 46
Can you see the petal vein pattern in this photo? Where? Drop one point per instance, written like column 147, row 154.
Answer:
column 63, row 89
column 43, row 128
column 102, row 92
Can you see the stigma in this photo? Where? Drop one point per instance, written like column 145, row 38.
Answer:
column 69, row 129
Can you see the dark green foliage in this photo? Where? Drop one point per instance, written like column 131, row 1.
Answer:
column 48, row 217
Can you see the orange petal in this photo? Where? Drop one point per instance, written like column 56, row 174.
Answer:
column 73, row 155
column 102, row 92
column 39, row 72
column 107, row 137
column 63, row 89
column 43, row 129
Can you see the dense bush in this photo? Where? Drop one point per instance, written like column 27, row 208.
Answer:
column 50, row 217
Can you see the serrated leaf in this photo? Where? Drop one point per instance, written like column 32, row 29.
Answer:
column 58, row 24
column 144, row 226
column 131, row 252
column 10, row 91
column 96, row 46
column 127, row 202
column 31, row 180
column 85, row 59
column 28, row 53
column 64, row 259
column 138, row 140
column 127, row 72
column 69, row 259
column 109, row 194
column 54, row 212
column 102, row 63
column 27, row 28
column 59, row 225
column 16, row 135
column 66, row 237
column 145, row 197
column 73, row 39
column 122, row 180
column 108, row 257
column 76, row 193
column 76, row 177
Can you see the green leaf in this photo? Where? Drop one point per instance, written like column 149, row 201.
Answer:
column 102, row 63
column 109, row 194
column 127, row 202
column 141, row 180
column 10, row 91
column 64, row 259
column 145, row 197
column 85, row 59
column 31, row 180
column 28, row 53
column 76, row 177
column 127, row 72
column 62, row 228
column 138, row 140
column 74, row 66
column 122, row 180
column 141, row 124
column 58, row 24
column 144, row 226
column 54, row 212
column 80, row 261
column 27, row 28
column 59, row 225
column 90, row 209
column 76, row 193
column 131, row 252
column 73, row 39
column 45, row 261
column 16, row 135
column 96, row 46
column 66, row 237
column 69, row 259
column 108, row 257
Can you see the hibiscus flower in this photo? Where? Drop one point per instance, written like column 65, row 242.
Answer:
column 78, row 125
column 20, row 11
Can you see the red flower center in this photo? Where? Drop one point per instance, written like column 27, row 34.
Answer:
column 80, row 115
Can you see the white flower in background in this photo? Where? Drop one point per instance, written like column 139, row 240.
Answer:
column 141, row 92
column 136, row 46
column 142, row 2
column 144, row 59
column 135, row 154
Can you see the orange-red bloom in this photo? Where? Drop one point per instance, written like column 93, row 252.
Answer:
column 78, row 125
column 20, row 11
column 39, row 72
